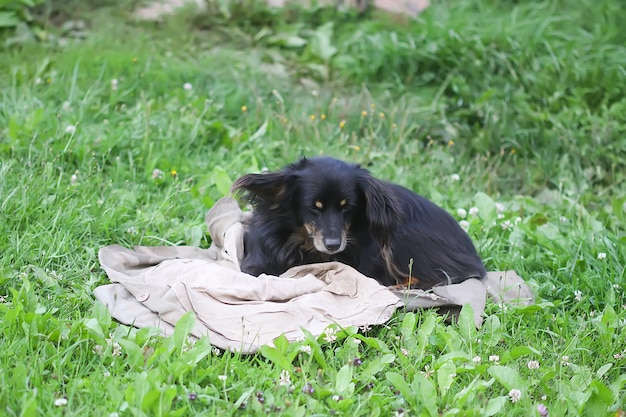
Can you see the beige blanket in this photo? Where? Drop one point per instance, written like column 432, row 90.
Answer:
column 155, row 286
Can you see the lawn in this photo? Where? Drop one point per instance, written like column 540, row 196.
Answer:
column 124, row 132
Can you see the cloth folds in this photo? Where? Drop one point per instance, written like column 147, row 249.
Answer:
column 155, row 286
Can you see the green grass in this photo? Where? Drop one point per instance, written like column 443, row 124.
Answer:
column 522, row 100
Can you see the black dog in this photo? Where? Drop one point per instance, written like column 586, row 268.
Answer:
column 323, row 209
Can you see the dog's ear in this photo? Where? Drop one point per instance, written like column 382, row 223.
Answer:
column 382, row 209
column 270, row 187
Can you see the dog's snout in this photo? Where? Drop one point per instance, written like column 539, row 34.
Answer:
column 332, row 244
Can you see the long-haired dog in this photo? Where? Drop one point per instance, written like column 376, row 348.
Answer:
column 323, row 209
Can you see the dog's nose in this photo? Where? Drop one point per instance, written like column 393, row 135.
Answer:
column 332, row 244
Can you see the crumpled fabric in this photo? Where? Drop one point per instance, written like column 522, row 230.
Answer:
column 156, row 286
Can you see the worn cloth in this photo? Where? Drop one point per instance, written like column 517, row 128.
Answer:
column 156, row 286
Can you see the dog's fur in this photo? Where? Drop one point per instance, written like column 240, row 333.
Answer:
column 323, row 209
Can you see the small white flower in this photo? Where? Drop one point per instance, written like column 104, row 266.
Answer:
column 578, row 295
column 517, row 220
column 222, row 378
column 217, row 351
column 285, row 378
column 455, row 177
column 494, row 358
column 500, row 216
column 565, row 361
column 602, row 255
column 70, row 129
column 314, row 93
column 306, row 349
column 464, row 225
column 60, row 402
column 544, row 397
column 98, row 350
column 499, row 207
column 473, row 211
column 515, row 395
column 187, row 86
column 335, row 397
column 506, row 225
column 117, row 349
column 106, row 374
column 131, row 230
column 114, row 414
column 66, row 105
column 404, row 351
column 330, row 334
column 533, row 364
column 157, row 174
column 616, row 287
column 114, row 84
column 563, row 219
column 356, row 341
column 73, row 179
column 476, row 359
column 461, row 212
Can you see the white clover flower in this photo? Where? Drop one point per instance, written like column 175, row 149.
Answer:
column 285, row 378
column 114, row 84
column 476, row 359
column 187, row 86
column 404, row 351
column 565, row 361
column 494, row 358
column 499, row 207
column 66, row 105
column 533, row 364
column 60, row 402
column 306, row 349
column 517, row 220
column 506, row 225
column 602, row 255
column 70, row 129
column 330, row 334
column 473, row 211
column 461, row 212
column 356, row 341
column 98, row 350
column 464, row 225
column 73, row 179
column 222, row 378
column 117, row 349
column 455, row 177
column 216, row 351
column 515, row 395
column 578, row 295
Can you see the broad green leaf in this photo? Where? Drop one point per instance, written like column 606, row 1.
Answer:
column 445, row 377
column 491, row 331
column 467, row 326
column 222, row 180
column 134, row 354
column 376, row 365
column 508, row 377
column 426, row 393
column 343, row 381
column 183, row 327
column 407, row 329
column 275, row 356
column 495, row 405
column 486, row 208
column 401, row 385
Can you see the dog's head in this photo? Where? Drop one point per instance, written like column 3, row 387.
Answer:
column 328, row 198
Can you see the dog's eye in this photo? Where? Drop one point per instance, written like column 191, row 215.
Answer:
column 318, row 205
column 343, row 204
